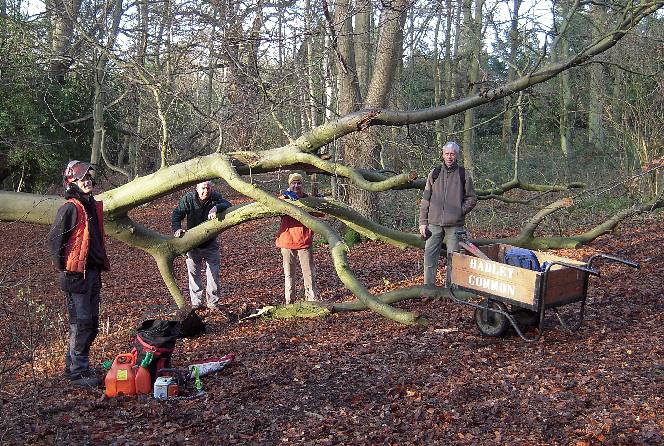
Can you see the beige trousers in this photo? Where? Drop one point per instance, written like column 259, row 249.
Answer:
column 306, row 259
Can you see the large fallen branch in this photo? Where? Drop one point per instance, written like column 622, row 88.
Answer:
column 394, row 296
column 527, row 239
column 302, row 151
column 30, row 208
column 337, row 247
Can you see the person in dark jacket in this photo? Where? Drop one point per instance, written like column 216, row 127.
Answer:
column 448, row 196
column 77, row 248
column 199, row 206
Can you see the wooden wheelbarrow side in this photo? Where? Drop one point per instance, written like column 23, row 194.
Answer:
column 563, row 281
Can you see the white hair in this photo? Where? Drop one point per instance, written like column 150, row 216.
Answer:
column 202, row 183
column 452, row 145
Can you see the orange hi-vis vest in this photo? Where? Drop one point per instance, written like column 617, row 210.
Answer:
column 76, row 251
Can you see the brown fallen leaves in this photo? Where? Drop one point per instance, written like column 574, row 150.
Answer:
column 349, row 378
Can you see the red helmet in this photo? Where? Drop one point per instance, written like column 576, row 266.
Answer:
column 76, row 170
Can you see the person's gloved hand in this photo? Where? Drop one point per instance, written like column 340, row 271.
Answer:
column 424, row 232
column 290, row 195
column 213, row 213
column 179, row 233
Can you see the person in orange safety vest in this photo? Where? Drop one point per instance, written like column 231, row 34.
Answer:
column 77, row 248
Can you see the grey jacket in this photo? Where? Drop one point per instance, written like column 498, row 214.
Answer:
column 442, row 202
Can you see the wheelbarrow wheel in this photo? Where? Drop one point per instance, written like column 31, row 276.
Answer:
column 489, row 322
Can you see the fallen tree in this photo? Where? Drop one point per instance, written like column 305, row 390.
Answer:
column 303, row 153
column 21, row 207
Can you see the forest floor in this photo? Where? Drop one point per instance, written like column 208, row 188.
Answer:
column 351, row 378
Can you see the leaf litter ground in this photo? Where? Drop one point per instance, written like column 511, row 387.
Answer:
column 353, row 378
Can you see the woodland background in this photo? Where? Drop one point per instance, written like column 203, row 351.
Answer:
column 134, row 86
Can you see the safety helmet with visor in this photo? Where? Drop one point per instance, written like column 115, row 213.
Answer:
column 76, row 170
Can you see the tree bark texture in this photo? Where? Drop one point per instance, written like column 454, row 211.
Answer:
column 597, row 87
column 62, row 14
column 514, row 38
column 473, row 33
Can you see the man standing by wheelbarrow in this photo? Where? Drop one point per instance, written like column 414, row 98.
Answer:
column 448, row 196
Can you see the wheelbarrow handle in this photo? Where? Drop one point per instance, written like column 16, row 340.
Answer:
column 588, row 270
column 615, row 259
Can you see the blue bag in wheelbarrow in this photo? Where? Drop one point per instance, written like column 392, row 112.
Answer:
column 522, row 258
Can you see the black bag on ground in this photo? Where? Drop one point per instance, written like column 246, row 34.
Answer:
column 158, row 337
column 191, row 325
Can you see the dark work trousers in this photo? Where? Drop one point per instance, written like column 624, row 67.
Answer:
column 83, row 306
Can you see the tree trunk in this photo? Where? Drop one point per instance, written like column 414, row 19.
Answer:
column 62, row 14
column 3, row 23
column 508, row 118
column 328, row 81
column 280, row 35
column 474, row 50
column 597, row 85
column 453, row 76
column 617, row 91
column 565, row 121
column 97, row 115
column 349, row 98
column 240, row 56
column 211, row 70
column 99, row 78
column 453, row 13
column 363, row 52
column 309, row 62
column 135, row 120
column 363, row 149
column 437, row 77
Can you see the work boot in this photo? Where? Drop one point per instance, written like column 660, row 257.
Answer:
column 85, row 379
column 67, row 372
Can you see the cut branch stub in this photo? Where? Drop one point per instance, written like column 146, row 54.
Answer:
column 368, row 116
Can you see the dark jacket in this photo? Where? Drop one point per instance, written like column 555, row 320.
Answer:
column 64, row 226
column 197, row 211
column 444, row 202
